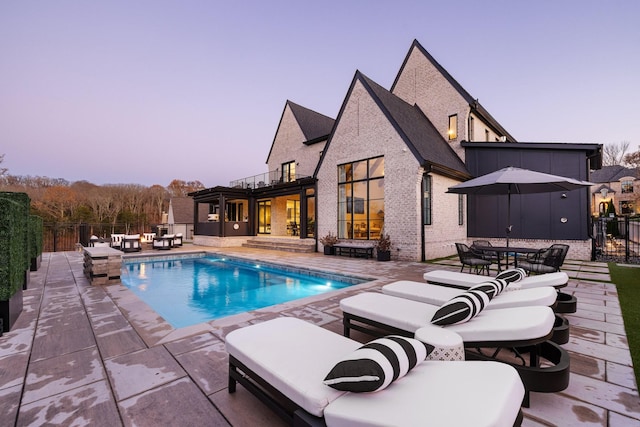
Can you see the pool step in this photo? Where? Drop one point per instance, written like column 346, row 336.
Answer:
column 282, row 244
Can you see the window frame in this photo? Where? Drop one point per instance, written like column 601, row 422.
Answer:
column 453, row 127
column 427, row 200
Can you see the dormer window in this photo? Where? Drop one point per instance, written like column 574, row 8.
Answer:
column 453, row 127
column 627, row 186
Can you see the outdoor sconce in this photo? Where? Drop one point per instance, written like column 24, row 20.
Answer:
column 563, row 220
column 603, row 192
column 564, row 195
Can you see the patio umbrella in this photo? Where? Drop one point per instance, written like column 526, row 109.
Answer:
column 513, row 180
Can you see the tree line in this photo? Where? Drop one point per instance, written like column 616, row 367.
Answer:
column 132, row 206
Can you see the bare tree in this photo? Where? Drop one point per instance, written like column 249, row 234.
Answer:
column 613, row 153
column 3, row 171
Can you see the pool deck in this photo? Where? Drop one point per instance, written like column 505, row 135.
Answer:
column 97, row 355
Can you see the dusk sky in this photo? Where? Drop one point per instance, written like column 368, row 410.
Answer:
column 145, row 92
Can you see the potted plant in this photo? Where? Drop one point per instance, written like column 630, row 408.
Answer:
column 383, row 247
column 328, row 241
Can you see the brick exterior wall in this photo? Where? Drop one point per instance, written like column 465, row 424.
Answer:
column 364, row 132
column 441, row 236
column 288, row 146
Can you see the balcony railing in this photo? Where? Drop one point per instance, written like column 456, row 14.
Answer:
column 267, row 179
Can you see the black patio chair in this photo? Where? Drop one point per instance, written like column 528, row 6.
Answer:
column 492, row 256
column 547, row 260
column 472, row 259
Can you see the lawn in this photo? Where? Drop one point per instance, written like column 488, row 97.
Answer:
column 627, row 280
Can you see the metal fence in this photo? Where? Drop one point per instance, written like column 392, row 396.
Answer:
column 617, row 239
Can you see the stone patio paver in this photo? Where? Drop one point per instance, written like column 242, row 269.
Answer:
column 83, row 355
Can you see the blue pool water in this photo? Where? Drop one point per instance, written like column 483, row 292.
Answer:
column 187, row 291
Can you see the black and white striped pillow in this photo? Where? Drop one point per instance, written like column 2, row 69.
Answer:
column 491, row 287
column 512, row 275
column 377, row 364
column 461, row 308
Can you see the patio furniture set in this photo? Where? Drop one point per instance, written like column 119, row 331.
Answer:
column 133, row 242
column 507, row 331
column 482, row 254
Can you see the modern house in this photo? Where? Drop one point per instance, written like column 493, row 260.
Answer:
column 618, row 185
column 386, row 162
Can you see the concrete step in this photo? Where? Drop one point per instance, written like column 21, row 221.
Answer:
column 287, row 245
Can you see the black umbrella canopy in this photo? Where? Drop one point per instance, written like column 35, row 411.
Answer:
column 513, row 180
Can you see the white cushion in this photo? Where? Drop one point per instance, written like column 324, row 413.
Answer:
column 466, row 280
column 298, row 364
column 507, row 324
column 437, row 295
column 471, row 393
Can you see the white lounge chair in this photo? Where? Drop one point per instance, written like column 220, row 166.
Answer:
column 284, row 361
column 130, row 243
column 565, row 303
column 438, row 295
column 520, row 328
column 465, row 280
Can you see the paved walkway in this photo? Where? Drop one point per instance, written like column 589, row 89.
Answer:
column 83, row 355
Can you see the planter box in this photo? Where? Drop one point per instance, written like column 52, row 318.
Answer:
column 35, row 263
column 384, row 255
column 27, row 278
column 329, row 250
column 10, row 310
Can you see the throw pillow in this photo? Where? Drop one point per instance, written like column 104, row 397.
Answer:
column 377, row 364
column 461, row 308
column 491, row 287
column 512, row 275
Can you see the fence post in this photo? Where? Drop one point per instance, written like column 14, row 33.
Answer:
column 627, row 240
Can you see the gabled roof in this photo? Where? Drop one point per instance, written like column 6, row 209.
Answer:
column 476, row 107
column 182, row 210
column 415, row 129
column 612, row 173
column 313, row 124
column 315, row 127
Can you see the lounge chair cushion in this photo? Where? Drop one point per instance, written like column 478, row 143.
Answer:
column 506, row 324
column 466, row 280
column 377, row 364
column 512, row 275
column 461, row 308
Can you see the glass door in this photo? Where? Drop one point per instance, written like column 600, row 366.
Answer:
column 293, row 217
column 264, row 217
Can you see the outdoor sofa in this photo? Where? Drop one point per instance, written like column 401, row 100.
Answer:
column 130, row 243
column 163, row 242
column 284, row 362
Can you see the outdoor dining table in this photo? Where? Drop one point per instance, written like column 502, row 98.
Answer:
column 506, row 251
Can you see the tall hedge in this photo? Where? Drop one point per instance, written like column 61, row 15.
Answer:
column 35, row 236
column 14, row 247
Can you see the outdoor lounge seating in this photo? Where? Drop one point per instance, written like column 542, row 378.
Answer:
column 177, row 239
column 116, row 240
column 131, row 243
column 547, row 260
column 148, row 237
column 438, row 295
column 466, row 280
column 565, row 303
column 473, row 260
column 163, row 242
column 493, row 256
column 285, row 360
column 354, row 250
column 522, row 329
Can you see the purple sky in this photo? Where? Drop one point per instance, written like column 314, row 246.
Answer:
column 150, row 91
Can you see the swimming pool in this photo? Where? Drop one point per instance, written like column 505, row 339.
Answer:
column 190, row 290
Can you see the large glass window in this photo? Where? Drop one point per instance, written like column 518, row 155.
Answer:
column 361, row 199
column 426, row 199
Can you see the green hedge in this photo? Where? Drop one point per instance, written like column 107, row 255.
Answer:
column 35, row 236
column 14, row 242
